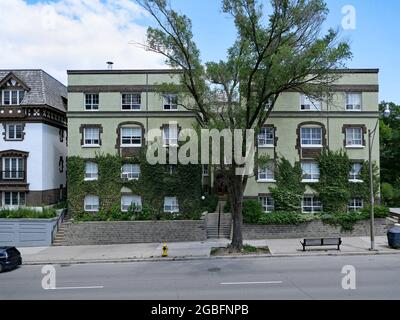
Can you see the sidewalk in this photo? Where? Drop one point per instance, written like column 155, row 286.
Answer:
column 189, row 250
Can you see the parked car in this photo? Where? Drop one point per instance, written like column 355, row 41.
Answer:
column 10, row 258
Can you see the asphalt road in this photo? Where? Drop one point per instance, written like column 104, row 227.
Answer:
column 377, row 277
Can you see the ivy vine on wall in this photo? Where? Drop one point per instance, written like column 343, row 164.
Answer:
column 156, row 182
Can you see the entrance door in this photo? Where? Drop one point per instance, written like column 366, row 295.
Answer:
column 220, row 184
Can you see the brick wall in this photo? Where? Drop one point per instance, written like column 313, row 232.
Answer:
column 314, row 229
column 104, row 233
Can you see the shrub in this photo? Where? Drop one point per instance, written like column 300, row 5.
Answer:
column 387, row 192
column 281, row 218
column 252, row 211
column 26, row 213
column 210, row 203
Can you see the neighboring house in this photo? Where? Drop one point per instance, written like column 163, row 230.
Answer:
column 111, row 111
column 33, row 141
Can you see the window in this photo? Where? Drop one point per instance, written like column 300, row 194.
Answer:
column 130, row 201
column 266, row 137
column 355, row 173
column 130, row 172
column 205, row 170
column 92, row 101
column 14, row 199
column 267, row 204
column 353, row 101
column 131, row 101
column 12, row 97
column 171, row 168
column 131, row 137
column 92, row 204
column 170, row 135
column 355, row 205
column 354, row 137
column 61, row 165
column 171, row 102
column 311, row 205
column 308, row 104
column 91, row 136
column 14, row 132
column 311, row 137
column 310, row 171
column 171, row 205
column 266, row 173
column 91, row 171
column 13, row 168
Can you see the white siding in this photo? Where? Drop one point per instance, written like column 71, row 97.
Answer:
column 43, row 144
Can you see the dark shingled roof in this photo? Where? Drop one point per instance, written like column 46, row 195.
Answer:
column 44, row 89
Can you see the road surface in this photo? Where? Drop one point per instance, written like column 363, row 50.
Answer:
column 377, row 277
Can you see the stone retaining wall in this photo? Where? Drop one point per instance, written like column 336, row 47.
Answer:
column 313, row 229
column 105, row 233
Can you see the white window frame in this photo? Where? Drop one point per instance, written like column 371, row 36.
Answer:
column 354, row 101
column 92, row 140
column 315, row 205
column 313, row 141
column 310, row 169
column 9, row 93
column 130, row 171
column 128, row 200
column 92, row 203
column 266, row 138
column 267, row 203
column 14, row 125
column 355, row 174
column 18, row 173
column 171, row 205
column 351, row 141
column 21, row 201
column 309, row 104
column 92, row 106
column 91, row 171
column 355, row 205
column 132, row 137
column 169, row 104
column 135, row 101
column 206, row 170
column 168, row 139
column 267, row 173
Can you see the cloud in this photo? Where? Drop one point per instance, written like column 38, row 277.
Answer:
column 73, row 34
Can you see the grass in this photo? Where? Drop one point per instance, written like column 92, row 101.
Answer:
column 25, row 213
column 247, row 250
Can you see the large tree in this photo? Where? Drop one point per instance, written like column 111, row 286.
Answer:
column 279, row 47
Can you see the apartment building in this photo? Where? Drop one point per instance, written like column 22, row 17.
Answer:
column 110, row 111
column 33, row 143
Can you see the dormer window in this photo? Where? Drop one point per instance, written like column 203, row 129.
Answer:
column 12, row 97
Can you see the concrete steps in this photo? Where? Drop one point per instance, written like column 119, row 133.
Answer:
column 59, row 238
column 224, row 227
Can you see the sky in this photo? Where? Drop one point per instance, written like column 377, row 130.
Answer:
column 58, row 35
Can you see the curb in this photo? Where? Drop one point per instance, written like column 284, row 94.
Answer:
column 202, row 258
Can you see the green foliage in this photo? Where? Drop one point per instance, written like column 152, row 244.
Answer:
column 333, row 187
column 281, row 218
column 348, row 220
column 390, row 145
column 289, row 189
column 252, row 211
column 155, row 183
column 210, row 203
column 26, row 213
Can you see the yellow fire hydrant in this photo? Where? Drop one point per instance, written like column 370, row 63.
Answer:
column 165, row 250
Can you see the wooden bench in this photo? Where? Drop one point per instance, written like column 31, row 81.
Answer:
column 321, row 242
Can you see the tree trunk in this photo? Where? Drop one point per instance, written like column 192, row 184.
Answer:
column 236, row 190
